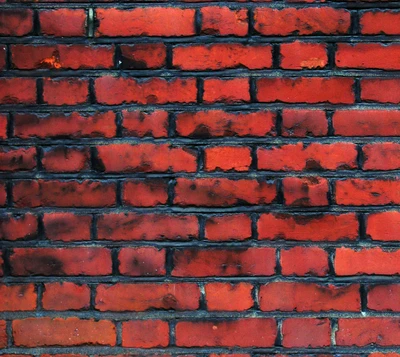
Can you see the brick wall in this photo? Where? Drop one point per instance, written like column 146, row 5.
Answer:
column 184, row 178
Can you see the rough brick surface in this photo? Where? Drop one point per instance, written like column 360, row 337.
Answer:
column 199, row 178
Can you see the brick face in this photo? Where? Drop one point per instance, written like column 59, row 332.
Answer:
column 199, row 178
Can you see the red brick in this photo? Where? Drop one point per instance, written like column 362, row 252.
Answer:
column 381, row 90
column 300, row 297
column 118, row 297
column 368, row 56
column 142, row 124
column 365, row 331
column 308, row 227
column 218, row 123
column 132, row 226
column 145, row 334
column 143, row 56
column 218, row 262
column 143, row 261
column 368, row 261
column 305, row 191
column 148, row 21
column 222, row 56
column 62, row 56
column 247, row 332
column 145, row 193
column 66, row 159
column 223, row 192
column 383, row 226
column 366, row 123
column 303, row 55
column 233, row 90
column 52, row 193
column 226, row 158
column 3, row 334
column 69, row 91
column 17, row 159
column 315, row 156
column 3, row 55
column 380, row 22
column 45, row 331
column 67, row 227
column 334, row 90
column 229, row 297
column 60, row 125
column 304, row 21
column 228, row 227
column 16, row 22
column 303, row 122
column 17, row 91
column 3, row 194
column 381, row 156
column 3, row 126
column 117, row 90
column 52, row 22
column 384, row 297
column 306, row 332
column 65, row 296
column 14, row 227
column 223, row 21
column 304, row 261
column 364, row 192
column 146, row 157
column 17, row 297
column 60, row 261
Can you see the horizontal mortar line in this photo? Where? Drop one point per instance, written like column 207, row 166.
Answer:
column 200, row 39
column 105, row 350
column 174, row 3
column 43, row 108
column 197, row 244
column 272, row 208
column 238, row 73
column 359, row 279
column 245, row 175
column 266, row 141
column 193, row 315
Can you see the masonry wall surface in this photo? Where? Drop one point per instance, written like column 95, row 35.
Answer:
column 185, row 178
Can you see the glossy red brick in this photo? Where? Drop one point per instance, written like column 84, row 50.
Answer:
column 65, row 91
column 145, row 21
column 18, row 297
column 60, row 261
column 227, row 158
column 15, row 227
column 218, row 262
column 380, row 22
column 66, row 296
column 52, row 22
column 60, row 125
column 304, row 261
column 143, row 56
column 334, row 90
column 302, row 123
column 303, row 55
column 145, row 333
column 46, row 331
column 142, row 124
column 306, row 332
column 300, row 297
column 147, row 296
column 66, row 226
column 305, row 191
column 383, row 297
column 236, row 90
column 145, row 193
column 218, row 123
column 143, row 261
column 132, row 226
column 223, row 21
column 247, row 332
column 314, row 227
column 228, row 227
column 229, row 297
column 223, row 192
column 380, row 90
column 222, row 56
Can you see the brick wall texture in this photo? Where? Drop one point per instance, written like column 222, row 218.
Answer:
column 199, row 178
